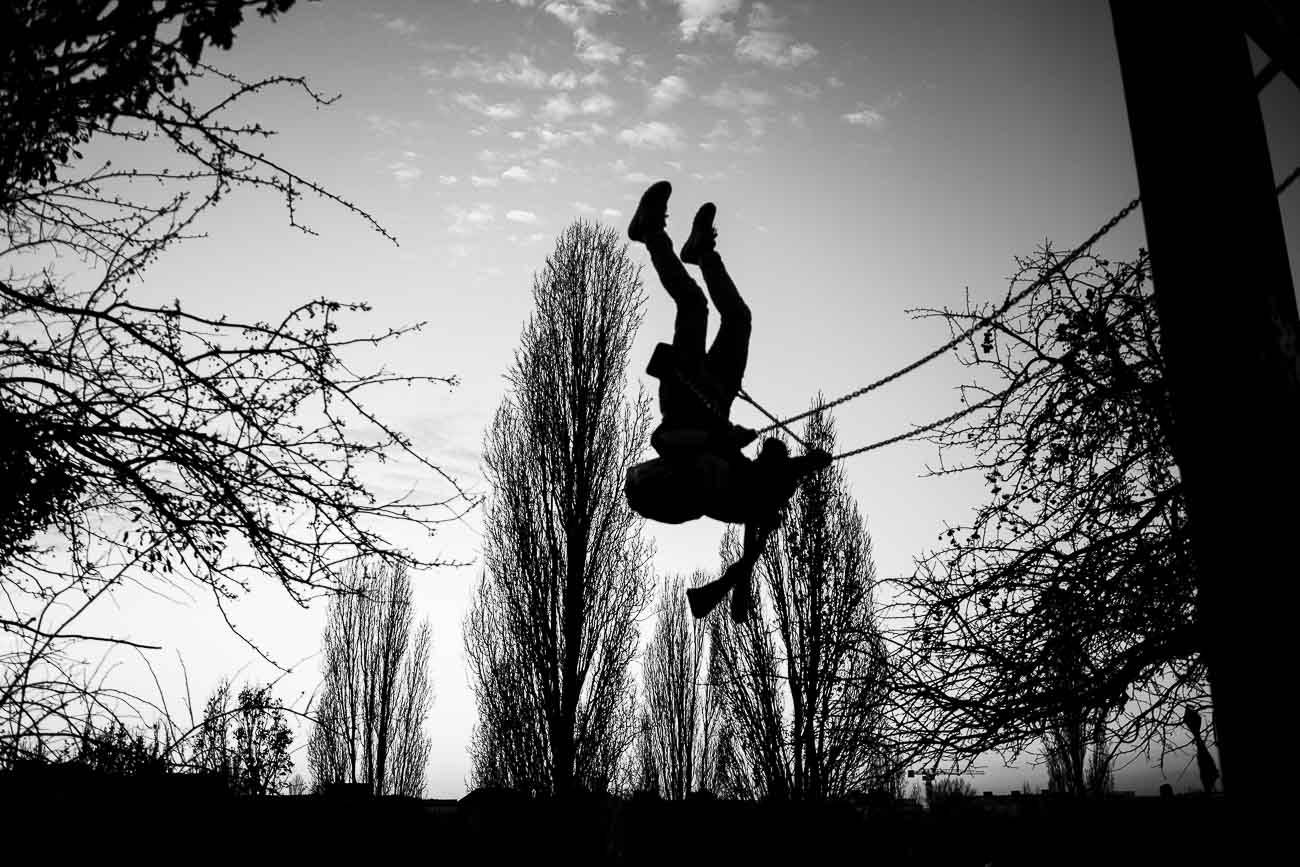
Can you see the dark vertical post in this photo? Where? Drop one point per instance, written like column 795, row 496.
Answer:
column 1228, row 322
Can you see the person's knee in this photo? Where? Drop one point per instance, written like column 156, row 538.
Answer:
column 737, row 319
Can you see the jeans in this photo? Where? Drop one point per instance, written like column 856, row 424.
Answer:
column 719, row 371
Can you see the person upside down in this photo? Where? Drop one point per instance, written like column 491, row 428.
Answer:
column 701, row 469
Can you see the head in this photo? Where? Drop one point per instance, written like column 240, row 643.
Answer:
column 773, row 450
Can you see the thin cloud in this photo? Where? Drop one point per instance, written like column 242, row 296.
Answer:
column 390, row 126
column 777, row 50
column 569, row 13
column 594, row 49
column 590, row 47
column 517, row 70
column 718, row 137
column 864, row 116
column 446, row 180
column 550, row 138
column 530, row 238
column 495, row 111
column 743, row 99
column 564, row 80
column 526, row 217
column 611, row 213
column 723, row 138
column 584, row 208
column 804, row 90
column 401, row 25
column 561, row 107
column 404, row 173
column 517, row 173
column 670, row 90
column 598, row 103
column 768, row 43
column 467, row 220
column 707, row 18
column 480, row 181
column 652, row 134
column 558, row 108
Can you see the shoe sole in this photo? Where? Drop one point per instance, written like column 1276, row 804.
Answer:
column 700, row 229
column 635, row 231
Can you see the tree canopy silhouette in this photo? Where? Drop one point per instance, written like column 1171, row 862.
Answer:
column 376, row 694
column 805, row 683
column 680, row 710
column 1069, row 598
column 161, row 440
column 553, row 627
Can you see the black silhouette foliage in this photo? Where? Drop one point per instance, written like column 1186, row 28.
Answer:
column 1069, row 600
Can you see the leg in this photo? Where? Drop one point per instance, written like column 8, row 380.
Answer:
column 737, row 579
column 691, row 321
column 647, row 227
column 729, row 354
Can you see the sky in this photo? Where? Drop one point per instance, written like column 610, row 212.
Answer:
column 866, row 158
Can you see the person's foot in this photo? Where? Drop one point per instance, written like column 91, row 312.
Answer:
column 702, row 234
column 651, row 212
column 706, row 597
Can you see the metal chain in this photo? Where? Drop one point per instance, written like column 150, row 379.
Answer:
column 982, row 323
column 1288, row 180
column 776, row 421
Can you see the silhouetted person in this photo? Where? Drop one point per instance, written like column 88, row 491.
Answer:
column 701, row 469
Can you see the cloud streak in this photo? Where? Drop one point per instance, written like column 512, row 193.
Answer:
column 495, row 111
column 467, row 220
column 864, row 116
column 526, row 217
column 670, row 90
column 768, row 44
column 654, row 135
column 707, row 18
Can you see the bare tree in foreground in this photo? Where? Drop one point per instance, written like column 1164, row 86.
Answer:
column 159, row 442
column 805, row 683
column 553, row 627
column 1070, row 596
column 376, row 693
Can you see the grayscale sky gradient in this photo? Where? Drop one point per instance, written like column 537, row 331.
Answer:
column 865, row 157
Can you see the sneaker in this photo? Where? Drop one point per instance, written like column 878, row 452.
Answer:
column 651, row 212
column 702, row 234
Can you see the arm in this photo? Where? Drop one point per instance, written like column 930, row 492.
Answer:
column 756, row 533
